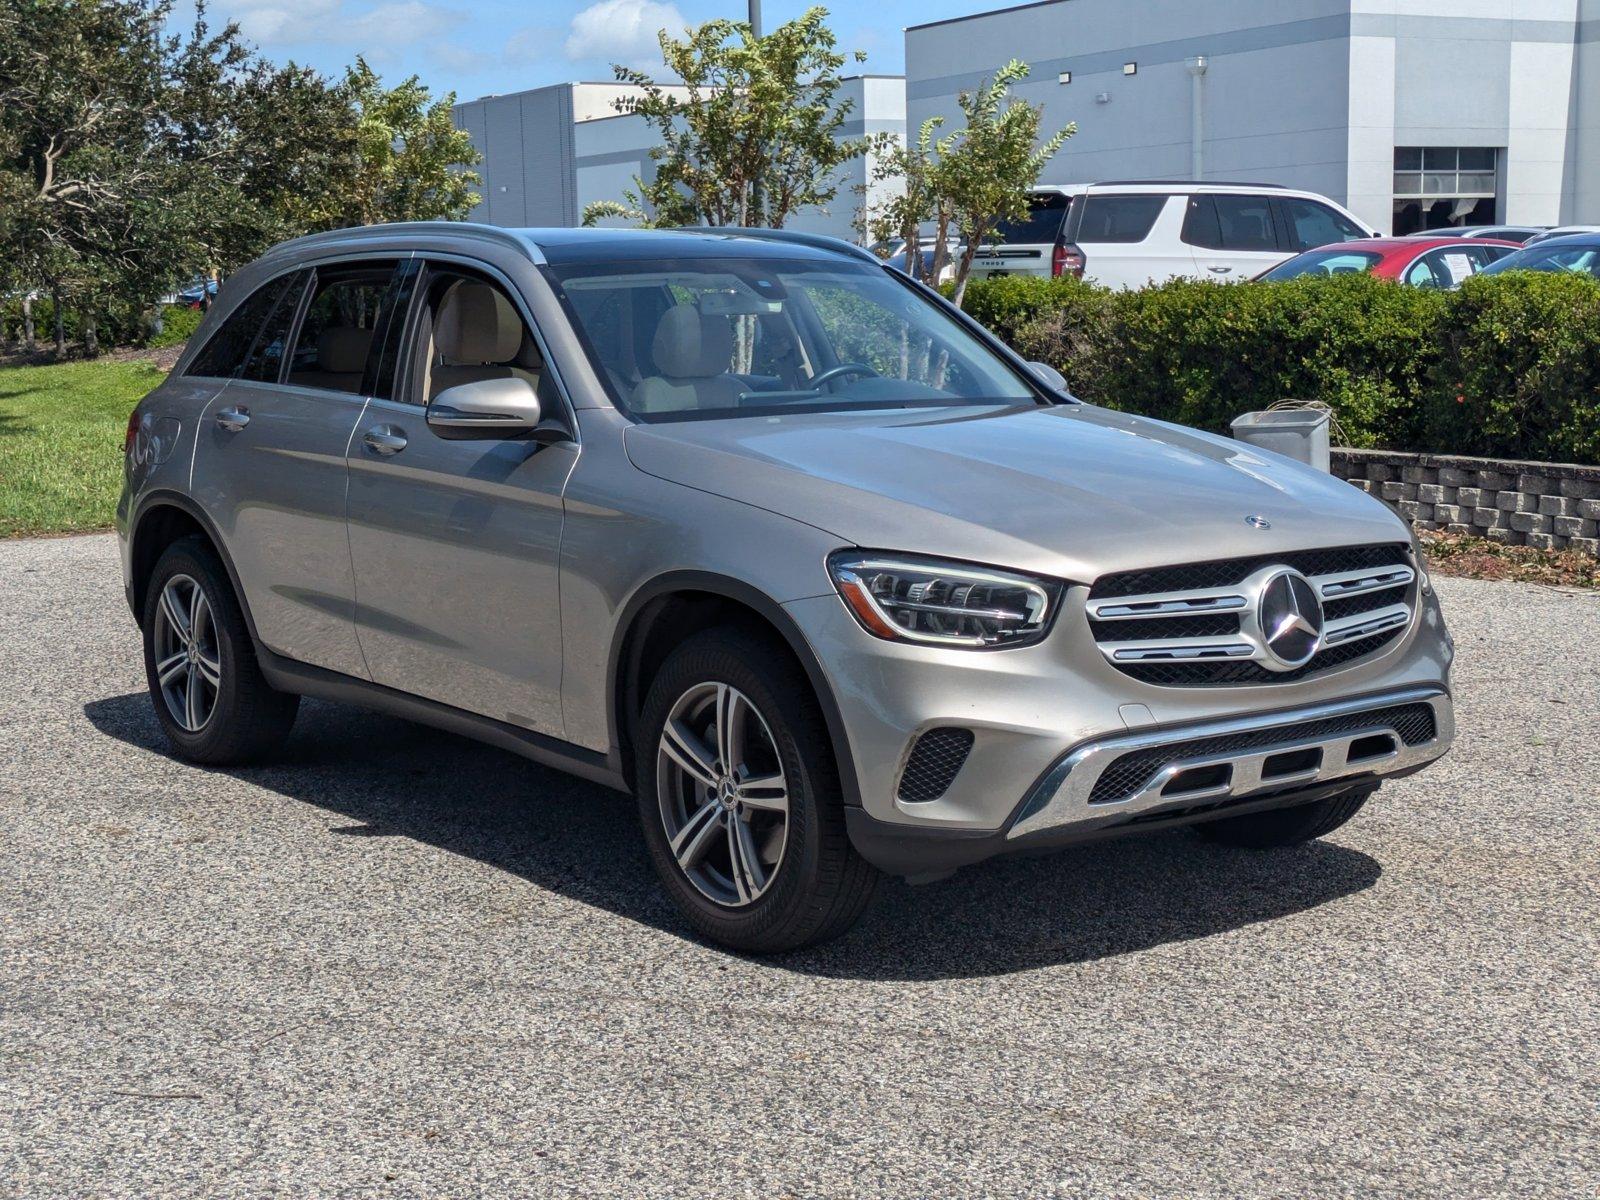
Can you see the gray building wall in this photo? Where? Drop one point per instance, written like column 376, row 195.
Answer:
column 526, row 142
column 1311, row 93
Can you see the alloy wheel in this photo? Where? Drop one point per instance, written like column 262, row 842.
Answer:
column 723, row 796
column 188, row 661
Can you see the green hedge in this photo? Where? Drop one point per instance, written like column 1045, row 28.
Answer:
column 1507, row 367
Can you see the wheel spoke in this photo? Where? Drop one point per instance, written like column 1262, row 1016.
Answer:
column 749, row 876
column 197, row 612
column 683, row 747
column 177, row 619
column 210, row 668
column 194, row 700
column 730, row 728
column 169, row 669
column 699, row 834
column 767, row 792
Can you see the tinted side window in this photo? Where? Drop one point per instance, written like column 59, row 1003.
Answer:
column 265, row 364
column 340, row 329
column 1230, row 223
column 1119, row 218
column 224, row 355
column 1312, row 224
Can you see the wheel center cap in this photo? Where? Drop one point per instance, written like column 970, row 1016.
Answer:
column 727, row 793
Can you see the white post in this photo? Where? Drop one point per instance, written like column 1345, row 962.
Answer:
column 1197, row 117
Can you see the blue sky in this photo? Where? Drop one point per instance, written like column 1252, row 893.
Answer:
column 497, row 46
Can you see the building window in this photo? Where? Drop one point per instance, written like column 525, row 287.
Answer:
column 1437, row 187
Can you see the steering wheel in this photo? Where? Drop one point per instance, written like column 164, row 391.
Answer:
column 840, row 372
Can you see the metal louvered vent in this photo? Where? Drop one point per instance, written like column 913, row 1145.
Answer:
column 1126, row 776
column 936, row 758
column 1204, row 624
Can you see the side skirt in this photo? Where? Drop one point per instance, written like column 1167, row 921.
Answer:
column 288, row 675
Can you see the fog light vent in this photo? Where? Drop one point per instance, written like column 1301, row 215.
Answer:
column 934, row 762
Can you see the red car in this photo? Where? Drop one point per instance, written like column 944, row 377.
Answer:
column 1422, row 262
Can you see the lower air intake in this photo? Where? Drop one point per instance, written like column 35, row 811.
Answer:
column 935, row 760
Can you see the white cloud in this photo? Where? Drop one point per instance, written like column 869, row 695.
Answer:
column 304, row 22
column 623, row 31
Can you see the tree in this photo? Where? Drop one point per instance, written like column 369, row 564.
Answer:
column 752, row 134
column 972, row 178
column 411, row 158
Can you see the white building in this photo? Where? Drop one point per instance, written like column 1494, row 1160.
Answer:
column 1406, row 111
column 550, row 151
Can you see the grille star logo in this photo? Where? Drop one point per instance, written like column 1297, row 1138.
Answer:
column 1290, row 616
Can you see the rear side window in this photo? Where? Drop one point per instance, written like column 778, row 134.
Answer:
column 1119, row 218
column 1311, row 224
column 225, row 355
column 1047, row 212
column 265, row 364
column 341, row 327
column 1230, row 223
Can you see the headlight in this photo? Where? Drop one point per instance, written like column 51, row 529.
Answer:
column 943, row 603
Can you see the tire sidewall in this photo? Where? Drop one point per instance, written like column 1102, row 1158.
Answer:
column 723, row 658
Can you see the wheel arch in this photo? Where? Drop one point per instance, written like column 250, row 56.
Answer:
column 674, row 605
column 163, row 518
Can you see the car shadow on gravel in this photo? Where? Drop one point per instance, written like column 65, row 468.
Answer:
column 384, row 777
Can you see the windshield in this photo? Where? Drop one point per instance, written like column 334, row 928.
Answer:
column 1324, row 262
column 1581, row 260
column 680, row 339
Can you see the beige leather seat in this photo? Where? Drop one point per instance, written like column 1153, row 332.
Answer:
column 478, row 335
column 692, row 352
column 341, row 359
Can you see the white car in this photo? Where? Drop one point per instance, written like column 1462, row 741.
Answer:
column 1129, row 234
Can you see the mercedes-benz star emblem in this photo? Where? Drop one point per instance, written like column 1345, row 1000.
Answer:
column 1290, row 615
column 1256, row 522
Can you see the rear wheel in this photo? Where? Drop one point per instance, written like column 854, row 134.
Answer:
column 210, row 697
column 1286, row 826
column 740, row 800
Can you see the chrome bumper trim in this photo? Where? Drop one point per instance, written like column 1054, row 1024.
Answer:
column 1062, row 797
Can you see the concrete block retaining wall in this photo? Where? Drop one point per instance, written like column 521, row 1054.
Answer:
column 1551, row 506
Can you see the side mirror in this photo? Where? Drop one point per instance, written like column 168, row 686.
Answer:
column 1049, row 376
column 488, row 408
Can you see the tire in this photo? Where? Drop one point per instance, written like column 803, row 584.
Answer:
column 244, row 719
column 1286, row 826
column 807, row 885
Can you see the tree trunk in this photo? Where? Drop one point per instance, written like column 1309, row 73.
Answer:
column 61, row 329
column 963, row 269
column 28, row 344
column 91, row 340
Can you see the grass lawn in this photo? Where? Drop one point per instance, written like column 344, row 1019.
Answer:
column 61, row 443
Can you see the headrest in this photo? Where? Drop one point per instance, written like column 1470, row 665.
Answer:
column 342, row 349
column 690, row 344
column 477, row 325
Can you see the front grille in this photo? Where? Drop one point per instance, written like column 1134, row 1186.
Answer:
column 936, row 758
column 1183, row 648
column 1127, row 776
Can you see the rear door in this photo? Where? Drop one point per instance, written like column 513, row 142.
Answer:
column 269, row 464
column 1232, row 235
column 1130, row 239
column 456, row 543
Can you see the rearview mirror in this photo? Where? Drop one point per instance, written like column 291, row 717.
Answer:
column 1049, row 376
column 487, row 408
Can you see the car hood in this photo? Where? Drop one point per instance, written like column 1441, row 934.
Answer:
column 1072, row 491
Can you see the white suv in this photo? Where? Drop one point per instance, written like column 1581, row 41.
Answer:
column 1135, row 233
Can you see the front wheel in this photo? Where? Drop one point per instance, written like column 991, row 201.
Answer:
column 1286, row 826
column 739, row 795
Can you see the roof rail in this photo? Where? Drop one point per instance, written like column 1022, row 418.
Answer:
column 1187, row 183
column 362, row 233
column 817, row 241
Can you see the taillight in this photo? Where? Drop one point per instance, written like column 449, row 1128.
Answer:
column 1067, row 260
column 131, row 433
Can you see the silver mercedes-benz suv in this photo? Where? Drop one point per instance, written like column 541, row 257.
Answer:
column 755, row 528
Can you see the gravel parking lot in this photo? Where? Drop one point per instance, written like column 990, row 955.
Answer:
column 400, row 964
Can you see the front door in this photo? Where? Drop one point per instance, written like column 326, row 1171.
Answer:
column 456, row 543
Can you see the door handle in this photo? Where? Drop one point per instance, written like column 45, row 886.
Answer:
column 233, row 419
column 1220, row 270
column 385, row 440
